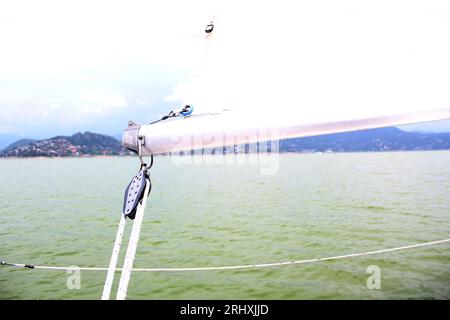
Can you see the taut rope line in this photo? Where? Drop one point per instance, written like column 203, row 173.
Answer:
column 135, row 200
column 235, row 267
column 132, row 246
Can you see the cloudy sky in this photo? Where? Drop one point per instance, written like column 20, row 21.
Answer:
column 68, row 66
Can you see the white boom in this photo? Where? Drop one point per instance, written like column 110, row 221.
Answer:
column 233, row 127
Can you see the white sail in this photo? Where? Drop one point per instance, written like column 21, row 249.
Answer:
column 301, row 68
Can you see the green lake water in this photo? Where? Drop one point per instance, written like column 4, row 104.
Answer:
column 65, row 212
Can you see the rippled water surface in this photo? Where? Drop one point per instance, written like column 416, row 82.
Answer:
column 65, row 212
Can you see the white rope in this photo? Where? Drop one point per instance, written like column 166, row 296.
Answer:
column 132, row 246
column 249, row 266
column 114, row 257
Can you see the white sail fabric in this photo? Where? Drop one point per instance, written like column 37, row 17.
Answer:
column 291, row 64
column 326, row 60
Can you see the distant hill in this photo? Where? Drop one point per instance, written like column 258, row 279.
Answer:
column 383, row 139
column 7, row 138
column 79, row 144
column 18, row 143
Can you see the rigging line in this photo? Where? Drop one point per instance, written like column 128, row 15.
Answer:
column 120, row 231
column 114, row 257
column 132, row 246
column 207, row 42
column 198, row 74
column 235, row 267
column 185, row 111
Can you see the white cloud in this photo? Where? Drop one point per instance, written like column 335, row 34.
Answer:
column 101, row 102
column 60, row 37
column 73, row 61
column 69, row 61
column 6, row 129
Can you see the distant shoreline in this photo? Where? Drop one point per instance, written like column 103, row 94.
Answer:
column 217, row 155
column 89, row 145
